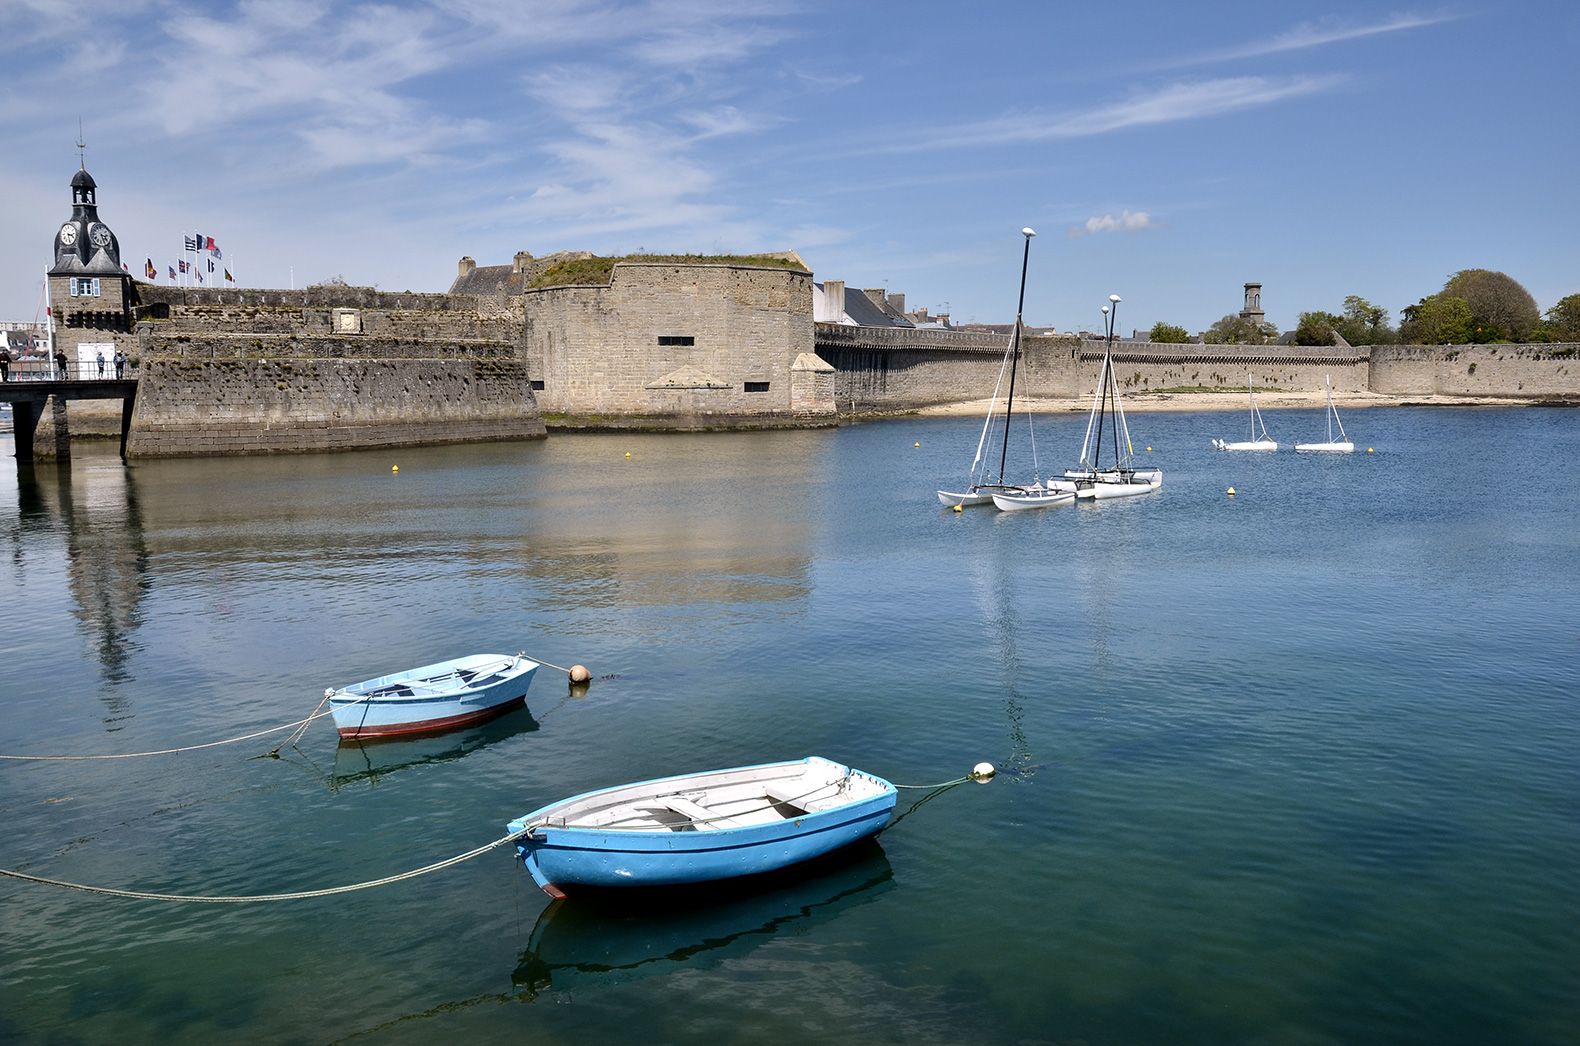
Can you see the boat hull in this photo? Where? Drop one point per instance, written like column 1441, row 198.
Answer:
column 566, row 858
column 980, row 495
column 1103, row 488
column 1327, row 448
column 1257, row 444
column 1033, row 499
column 391, row 706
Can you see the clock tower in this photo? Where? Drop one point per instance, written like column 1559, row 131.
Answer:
column 91, row 295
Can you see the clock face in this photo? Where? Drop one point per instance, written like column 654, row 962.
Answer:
column 68, row 234
column 99, row 235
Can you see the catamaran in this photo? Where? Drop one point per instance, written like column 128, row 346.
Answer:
column 1120, row 479
column 1256, row 442
column 1343, row 444
column 982, row 489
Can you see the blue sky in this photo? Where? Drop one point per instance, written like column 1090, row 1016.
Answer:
column 1167, row 152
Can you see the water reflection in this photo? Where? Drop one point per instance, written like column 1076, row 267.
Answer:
column 620, row 936
column 369, row 759
column 97, row 513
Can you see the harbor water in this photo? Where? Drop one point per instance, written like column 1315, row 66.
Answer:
column 1297, row 766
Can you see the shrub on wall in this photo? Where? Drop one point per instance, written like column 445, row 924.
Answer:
column 1169, row 334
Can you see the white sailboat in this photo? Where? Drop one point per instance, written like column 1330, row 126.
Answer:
column 983, row 489
column 1094, row 480
column 1262, row 442
column 1340, row 446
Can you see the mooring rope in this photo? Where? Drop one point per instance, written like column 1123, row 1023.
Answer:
column 942, row 784
column 300, row 723
column 299, row 895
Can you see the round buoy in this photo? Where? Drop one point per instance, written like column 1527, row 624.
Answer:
column 1368, row 450
column 918, row 444
column 394, row 468
column 1231, row 492
column 1149, row 449
column 579, row 674
column 628, row 453
column 982, row 771
column 957, row 508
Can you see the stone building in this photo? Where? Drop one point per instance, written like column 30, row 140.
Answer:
column 92, row 298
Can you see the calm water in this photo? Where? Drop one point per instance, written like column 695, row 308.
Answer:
column 1301, row 766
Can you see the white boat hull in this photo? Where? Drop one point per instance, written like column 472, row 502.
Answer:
column 1255, row 444
column 1033, row 499
column 982, row 495
column 1116, row 485
column 1330, row 448
column 435, row 697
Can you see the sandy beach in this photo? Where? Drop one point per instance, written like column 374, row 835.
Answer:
column 1199, row 401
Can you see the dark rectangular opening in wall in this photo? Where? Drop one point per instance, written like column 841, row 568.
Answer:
column 676, row 339
column 537, row 386
column 756, row 386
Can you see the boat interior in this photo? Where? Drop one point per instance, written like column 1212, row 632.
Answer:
column 720, row 799
column 474, row 673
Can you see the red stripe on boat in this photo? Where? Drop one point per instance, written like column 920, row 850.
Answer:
column 554, row 891
column 425, row 726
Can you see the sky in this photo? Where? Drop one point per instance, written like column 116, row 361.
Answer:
column 1165, row 152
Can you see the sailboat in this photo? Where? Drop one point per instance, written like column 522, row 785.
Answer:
column 1256, row 442
column 1093, row 480
column 982, row 490
column 1343, row 446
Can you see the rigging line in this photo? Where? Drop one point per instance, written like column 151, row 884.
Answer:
column 942, row 784
column 140, row 895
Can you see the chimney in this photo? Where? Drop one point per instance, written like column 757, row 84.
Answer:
column 877, row 295
column 897, row 303
column 467, row 265
column 522, row 260
column 834, row 298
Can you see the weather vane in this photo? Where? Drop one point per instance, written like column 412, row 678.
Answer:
column 82, row 147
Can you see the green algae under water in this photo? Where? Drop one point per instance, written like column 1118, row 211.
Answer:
column 1299, row 766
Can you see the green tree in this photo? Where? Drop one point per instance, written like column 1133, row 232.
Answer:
column 1169, row 334
column 1500, row 308
column 1563, row 320
column 1233, row 330
column 1316, row 328
column 1437, row 320
column 1364, row 323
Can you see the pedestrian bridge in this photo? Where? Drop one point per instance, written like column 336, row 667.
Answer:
column 29, row 399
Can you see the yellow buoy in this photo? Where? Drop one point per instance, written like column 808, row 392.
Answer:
column 628, row 453
column 1149, row 448
column 1231, row 492
column 1368, row 450
column 394, row 468
column 918, row 444
column 957, row 508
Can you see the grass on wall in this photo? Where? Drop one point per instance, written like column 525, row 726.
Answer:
column 585, row 271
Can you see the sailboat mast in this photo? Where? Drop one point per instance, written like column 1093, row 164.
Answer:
column 1113, row 320
column 1020, row 305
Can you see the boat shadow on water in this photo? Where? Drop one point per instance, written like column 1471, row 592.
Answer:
column 368, row 759
column 616, row 936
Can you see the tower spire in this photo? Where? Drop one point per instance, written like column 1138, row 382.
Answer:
column 82, row 148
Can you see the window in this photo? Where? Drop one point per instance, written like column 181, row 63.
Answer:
column 676, row 339
column 756, row 386
column 82, row 287
column 537, row 385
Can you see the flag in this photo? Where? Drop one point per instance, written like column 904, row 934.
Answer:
column 191, row 244
column 228, row 277
column 197, row 274
column 173, row 274
column 183, row 264
column 197, row 241
column 211, row 246
column 125, row 266
column 211, row 265
column 149, row 270
column 215, row 251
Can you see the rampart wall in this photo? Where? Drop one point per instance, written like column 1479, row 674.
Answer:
column 1535, row 372
column 675, row 346
column 191, row 407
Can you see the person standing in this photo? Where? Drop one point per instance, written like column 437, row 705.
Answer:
column 100, row 358
column 120, row 364
column 60, row 365
column 5, row 364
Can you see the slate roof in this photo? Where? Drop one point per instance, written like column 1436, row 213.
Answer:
column 488, row 279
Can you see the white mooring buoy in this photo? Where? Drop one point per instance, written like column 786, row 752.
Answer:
column 982, row 772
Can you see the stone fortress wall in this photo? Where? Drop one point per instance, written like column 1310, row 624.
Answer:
column 668, row 345
column 324, row 368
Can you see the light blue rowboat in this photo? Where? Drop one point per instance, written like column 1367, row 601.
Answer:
column 694, row 828
column 434, row 697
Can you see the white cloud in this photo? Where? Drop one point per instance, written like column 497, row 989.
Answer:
column 1309, row 34
column 1125, row 221
column 1182, row 101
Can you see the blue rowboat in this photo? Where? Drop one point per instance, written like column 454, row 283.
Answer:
column 695, row 828
column 434, row 697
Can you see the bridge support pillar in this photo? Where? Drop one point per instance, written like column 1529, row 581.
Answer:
column 126, row 422
column 24, row 415
column 52, row 437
